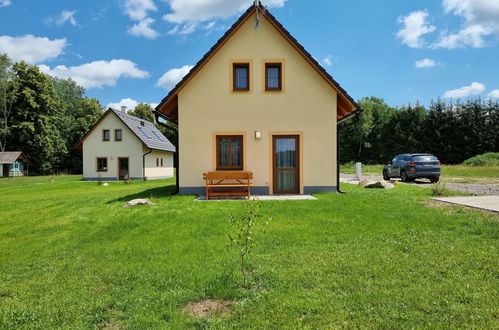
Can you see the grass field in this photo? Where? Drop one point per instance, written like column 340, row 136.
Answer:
column 72, row 257
column 449, row 172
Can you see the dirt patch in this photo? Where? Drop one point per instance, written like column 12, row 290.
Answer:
column 111, row 326
column 208, row 308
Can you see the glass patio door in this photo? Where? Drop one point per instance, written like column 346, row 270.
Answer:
column 286, row 171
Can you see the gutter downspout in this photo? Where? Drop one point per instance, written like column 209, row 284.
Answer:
column 144, row 164
column 175, row 143
column 357, row 117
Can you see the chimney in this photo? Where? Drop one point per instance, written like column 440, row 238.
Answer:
column 123, row 108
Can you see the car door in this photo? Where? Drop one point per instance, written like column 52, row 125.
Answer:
column 395, row 167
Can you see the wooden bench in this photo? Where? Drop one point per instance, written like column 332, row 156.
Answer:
column 228, row 183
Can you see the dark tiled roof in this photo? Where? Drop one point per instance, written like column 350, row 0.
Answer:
column 229, row 32
column 145, row 131
column 10, row 157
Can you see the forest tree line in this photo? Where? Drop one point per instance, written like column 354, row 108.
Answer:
column 45, row 117
column 453, row 131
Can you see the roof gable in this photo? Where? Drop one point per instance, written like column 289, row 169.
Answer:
column 346, row 105
column 144, row 130
column 10, row 157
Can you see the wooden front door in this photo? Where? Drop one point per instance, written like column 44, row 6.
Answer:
column 123, row 169
column 286, row 164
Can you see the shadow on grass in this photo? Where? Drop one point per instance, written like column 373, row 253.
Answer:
column 160, row 192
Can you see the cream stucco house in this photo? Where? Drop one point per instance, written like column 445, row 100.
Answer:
column 258, row 101
column 122, row 147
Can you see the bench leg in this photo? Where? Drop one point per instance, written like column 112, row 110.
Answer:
column 249, row 192
column 207, row 193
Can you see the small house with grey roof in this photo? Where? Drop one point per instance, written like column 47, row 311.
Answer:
column 123, row 147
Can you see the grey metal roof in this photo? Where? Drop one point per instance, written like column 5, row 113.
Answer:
column 9, row 157
column 145, row 131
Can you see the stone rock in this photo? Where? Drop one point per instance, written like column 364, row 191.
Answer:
column 136, row 202
column 105, row 184
column 365, row 182
column 382, row 184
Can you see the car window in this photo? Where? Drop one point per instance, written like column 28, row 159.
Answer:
column 427, row 158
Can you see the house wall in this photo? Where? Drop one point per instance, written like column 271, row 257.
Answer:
column 94, row 147
column 307, row 107
column 154, row 172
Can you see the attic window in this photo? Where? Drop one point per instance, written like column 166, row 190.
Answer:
column 273, row 77
column 241, row 79
column 105, row 135
column 144, row 132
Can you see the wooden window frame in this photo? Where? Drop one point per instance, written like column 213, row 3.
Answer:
column 235, row 66
column 104, row 135
column 273, row 65
column 241, row 153
column 116, row 135
column 97, row 164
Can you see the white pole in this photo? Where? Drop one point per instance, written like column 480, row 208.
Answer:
column 358, row 170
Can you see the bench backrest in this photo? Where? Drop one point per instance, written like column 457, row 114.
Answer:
column 247, row 176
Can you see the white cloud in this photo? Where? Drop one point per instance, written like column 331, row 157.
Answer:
column 470, row 36
column 129, row 103
column 31, row 49
column 183, row 29
column 328, row 60
column 192, row 11
column 173, row 77
column 97, row 74
column 65, row 16
column 414, row 27
column 473, row 89
column 494, row 94
column 137, row 9
column 481, row 19
column 143, row 29
column 425, row 63
column 476, row 12
column 5, row 3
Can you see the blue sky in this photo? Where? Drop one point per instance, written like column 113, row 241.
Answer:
column 129, row 51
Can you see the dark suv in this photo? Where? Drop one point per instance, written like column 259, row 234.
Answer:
column 408, row 167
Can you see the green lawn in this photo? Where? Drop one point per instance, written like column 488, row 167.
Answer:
column 448, row 171
column 72, row 257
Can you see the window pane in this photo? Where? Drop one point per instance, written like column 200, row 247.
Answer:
column 286, row 180
column 224, row 151
column 118, row 135
column 236, row 152
column 106, row 135
column 273, row 74
column 102, row 164
column 285, row 153
column 242, row 78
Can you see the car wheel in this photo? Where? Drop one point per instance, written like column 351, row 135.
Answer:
column 386, row 177
column 434, row 180
column 404, row 177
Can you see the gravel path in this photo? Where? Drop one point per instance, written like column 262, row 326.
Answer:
column 471, row 188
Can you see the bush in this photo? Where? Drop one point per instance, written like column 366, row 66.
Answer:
column 488, row 159
column 439, row 189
